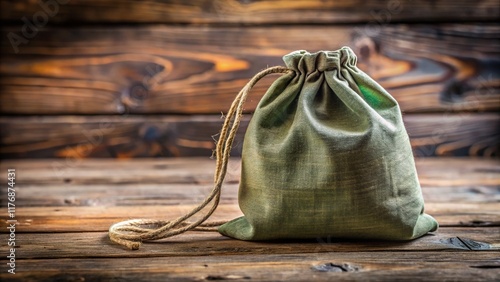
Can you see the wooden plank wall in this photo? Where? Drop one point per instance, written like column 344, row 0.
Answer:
column 150, row 78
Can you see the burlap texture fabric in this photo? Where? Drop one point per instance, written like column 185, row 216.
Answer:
column 326, row 153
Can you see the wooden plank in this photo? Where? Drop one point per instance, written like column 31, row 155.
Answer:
column 439, row 172
column 460, row 134
column 105, row 182
column 87, row 190
column 455, row 172
column 338, row 266
column 252, row 12
column 472, row 193
column 464, row 214
column 99, row 218
column 98, row 245
column 70, row 137
column 443, row 172
column 47, row 252
column 199, row 70
column 194, row 170
column 157, row 194
column 173, row 194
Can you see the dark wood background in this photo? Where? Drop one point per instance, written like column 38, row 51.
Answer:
column 127, row 79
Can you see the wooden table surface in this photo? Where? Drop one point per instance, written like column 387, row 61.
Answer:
column 65, row 207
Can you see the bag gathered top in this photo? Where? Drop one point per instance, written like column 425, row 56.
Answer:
column 326, row 154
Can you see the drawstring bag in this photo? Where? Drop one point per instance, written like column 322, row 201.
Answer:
column 326, row 153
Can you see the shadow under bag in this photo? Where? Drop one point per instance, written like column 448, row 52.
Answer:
column 326, row 153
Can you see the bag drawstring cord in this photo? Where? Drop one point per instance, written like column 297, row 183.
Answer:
column 131, row 233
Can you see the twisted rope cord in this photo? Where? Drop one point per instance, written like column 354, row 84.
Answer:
column 131, row 233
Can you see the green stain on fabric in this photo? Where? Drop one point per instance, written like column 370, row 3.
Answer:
column 371, row 96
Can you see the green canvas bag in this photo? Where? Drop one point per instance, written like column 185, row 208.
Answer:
column 326, row 153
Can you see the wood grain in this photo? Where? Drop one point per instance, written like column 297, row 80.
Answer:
column 100, row 217
column 68, row 241
column 458, row 191
column 442, row 172
column 132, row 65
column 244, row 12
column 173, row 181
column 127, row 136
column 98, row 245
column 198, row 70
column 173, row 194
column 366, row 266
